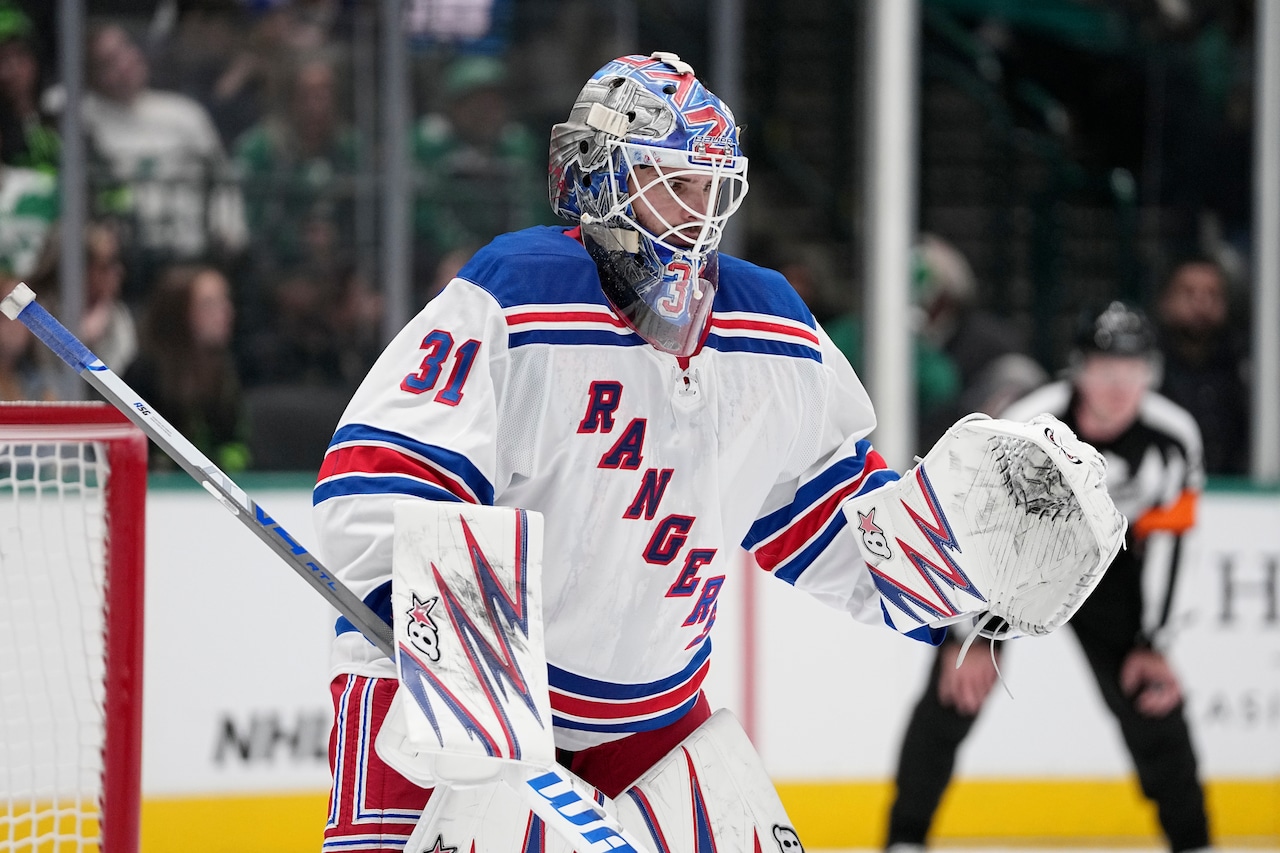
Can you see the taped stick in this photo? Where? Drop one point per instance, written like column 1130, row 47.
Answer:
column 21, row 305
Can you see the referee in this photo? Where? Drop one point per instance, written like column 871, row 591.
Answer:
column 1154, row 475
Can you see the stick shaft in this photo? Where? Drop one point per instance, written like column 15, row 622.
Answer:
column 583, row 823
column 116, row 391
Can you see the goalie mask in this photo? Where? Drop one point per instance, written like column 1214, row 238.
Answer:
column 649, row 165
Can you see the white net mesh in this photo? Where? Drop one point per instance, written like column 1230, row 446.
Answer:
column 53, row 533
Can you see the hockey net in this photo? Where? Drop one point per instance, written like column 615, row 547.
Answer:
column 72, row 506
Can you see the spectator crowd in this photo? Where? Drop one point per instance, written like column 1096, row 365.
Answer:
column 226, row 173
column 230, row 254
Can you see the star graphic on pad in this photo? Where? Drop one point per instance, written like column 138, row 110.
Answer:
column 867, row 523
column 439, row 847
column 421, row 612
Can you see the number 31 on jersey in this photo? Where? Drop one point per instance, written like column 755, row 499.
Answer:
column 439, row 346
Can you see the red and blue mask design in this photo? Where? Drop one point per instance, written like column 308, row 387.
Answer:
column 650, row 166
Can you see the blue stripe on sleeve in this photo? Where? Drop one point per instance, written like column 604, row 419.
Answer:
column 724, row 343
column 791, row 569
column 878, row 479
column 379, row 602
column 810, row 493
column 925, row 634
column 455, row 463
column 380, row 485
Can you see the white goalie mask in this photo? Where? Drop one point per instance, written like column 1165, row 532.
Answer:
column 649, row 165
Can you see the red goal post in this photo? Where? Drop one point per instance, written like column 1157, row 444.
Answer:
column 73, row 480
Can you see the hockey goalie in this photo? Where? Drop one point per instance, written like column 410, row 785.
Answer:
column 546, row 479
column 1006, row 525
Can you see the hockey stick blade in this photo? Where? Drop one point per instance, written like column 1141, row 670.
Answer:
column 21, row 305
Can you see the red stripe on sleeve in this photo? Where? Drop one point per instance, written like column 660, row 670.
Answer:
column 363, row 459
column 565, row 317
column 792, row 538
column 762, row 326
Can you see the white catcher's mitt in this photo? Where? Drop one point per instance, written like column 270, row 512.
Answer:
column 1001, row 519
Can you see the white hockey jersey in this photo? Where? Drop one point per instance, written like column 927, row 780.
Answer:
column 519, row 386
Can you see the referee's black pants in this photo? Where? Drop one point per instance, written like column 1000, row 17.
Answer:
column 1160, row 747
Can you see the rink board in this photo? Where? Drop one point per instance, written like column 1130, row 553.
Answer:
column 828, row 815
column 236, row 709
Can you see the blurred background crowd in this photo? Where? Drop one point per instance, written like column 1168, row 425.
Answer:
column 1070, row 151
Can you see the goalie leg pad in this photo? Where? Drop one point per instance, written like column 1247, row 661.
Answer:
column 528, row 809
column 709, row 793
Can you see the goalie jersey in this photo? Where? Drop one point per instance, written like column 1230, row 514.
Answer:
column 519, row 386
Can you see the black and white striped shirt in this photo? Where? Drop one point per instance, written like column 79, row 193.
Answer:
column 1155, row 473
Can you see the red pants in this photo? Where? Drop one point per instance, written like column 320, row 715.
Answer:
column 613, row 766
column 372, row 807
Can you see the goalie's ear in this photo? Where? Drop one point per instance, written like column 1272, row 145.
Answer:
column 1003, row 518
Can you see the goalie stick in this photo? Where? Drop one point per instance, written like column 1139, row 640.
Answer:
column 21, row 305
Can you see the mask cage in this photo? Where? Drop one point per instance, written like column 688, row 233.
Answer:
column 677, row 178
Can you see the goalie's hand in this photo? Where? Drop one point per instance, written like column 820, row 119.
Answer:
column 1147, row 677
column 1000, row 519
column 964, row 688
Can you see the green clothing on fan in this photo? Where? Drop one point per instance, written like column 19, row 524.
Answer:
column 286, row 190
column 28, row 207
column 937, row 378
column 467, row 195
column 43, row 148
